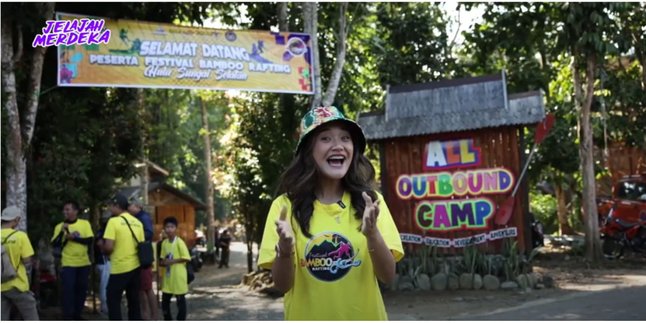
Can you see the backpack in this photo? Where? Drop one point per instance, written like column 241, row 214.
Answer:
column 8, row 271
column 190, row 272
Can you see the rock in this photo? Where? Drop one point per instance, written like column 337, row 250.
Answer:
column 523, row 281
column 466, row 281
column 509, row 285
column 393, row 285
column 534, row 278
column 477, row 281
column 458, row 299
column 406, row 286
column 405, row 279
column 548, row 281
column 423, row 282
column 567, row 258
column 540, row 286
column 454, row 282
column 246, row 279
column 491, row 282
column 439, row 281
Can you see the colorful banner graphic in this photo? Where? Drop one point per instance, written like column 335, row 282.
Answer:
column 155, row 55
column 460, row 242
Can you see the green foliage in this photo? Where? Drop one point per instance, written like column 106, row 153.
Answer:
column 258, row 147
column 81, row 150
column 543, row 206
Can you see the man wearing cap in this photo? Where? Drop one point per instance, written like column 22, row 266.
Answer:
column 16, row 291
column 120, row 242
column 74, row 236
column 148, row 299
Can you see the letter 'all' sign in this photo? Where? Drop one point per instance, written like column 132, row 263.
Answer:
column 451, row 154
column 438, row 208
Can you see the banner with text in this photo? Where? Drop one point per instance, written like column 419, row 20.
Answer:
column 459, row 242
column 156, row 55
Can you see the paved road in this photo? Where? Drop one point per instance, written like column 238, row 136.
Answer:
column 626, row 303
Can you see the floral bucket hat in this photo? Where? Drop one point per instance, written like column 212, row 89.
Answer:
column 322, row 115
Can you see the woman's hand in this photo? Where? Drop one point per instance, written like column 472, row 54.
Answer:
column 370, row 214
column 285, row 233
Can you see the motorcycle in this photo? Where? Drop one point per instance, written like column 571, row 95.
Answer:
column 538, row 237
column 618, row 235
column 196, row 259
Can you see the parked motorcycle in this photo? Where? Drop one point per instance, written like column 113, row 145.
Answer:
column 618, row 235
column 196, row 259
column 538, row 237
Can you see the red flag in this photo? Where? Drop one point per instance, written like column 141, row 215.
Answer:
column 543, row 128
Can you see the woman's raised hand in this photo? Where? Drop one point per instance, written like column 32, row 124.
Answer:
column 370, row 214
column 285, row 233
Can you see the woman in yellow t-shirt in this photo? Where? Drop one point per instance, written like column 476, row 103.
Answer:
column 173, row 257
column 329, row 235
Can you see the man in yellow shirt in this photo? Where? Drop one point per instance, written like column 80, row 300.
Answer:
column 119, row 242
column 74, row 236
column 16, row 291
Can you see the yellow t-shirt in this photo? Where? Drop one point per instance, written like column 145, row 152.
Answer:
column 18, row 246
column 334, row 265
column 75, row 254
column 124, row 256
column 175, row 278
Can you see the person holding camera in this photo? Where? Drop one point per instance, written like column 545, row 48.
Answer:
column 71, row 241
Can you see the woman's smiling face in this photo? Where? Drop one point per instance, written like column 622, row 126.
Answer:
column 333, row 149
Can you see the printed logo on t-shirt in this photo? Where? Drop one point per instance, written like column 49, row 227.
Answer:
column 329, row 256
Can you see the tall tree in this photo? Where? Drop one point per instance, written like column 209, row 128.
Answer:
column 208, row 183
column 21, row 111
column 310, row 20
column 586, row 26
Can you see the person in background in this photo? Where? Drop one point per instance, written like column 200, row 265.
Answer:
column 121, row 246
column 216, row 242
column 225, row 243
column 16, row 291
column 102, row 262
column 174, row 256
column 146, row 293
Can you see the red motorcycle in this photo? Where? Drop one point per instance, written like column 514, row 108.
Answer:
column 618, row 235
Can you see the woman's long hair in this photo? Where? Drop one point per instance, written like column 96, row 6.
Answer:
column 300, row 179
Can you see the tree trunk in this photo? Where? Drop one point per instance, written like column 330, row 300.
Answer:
column 310, row 22
column 642, row 62
column 561, row 211
column 20, row 131
column 335, row 78
column 584, row 103
column 144, row 168
column 249, row 237
column 282, row 17
column 210, row 211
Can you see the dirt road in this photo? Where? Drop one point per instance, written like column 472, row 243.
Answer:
column 609, row 291
column 217, row 295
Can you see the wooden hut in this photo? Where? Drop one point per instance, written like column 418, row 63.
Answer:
column 164, row 200
column 450, row 154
